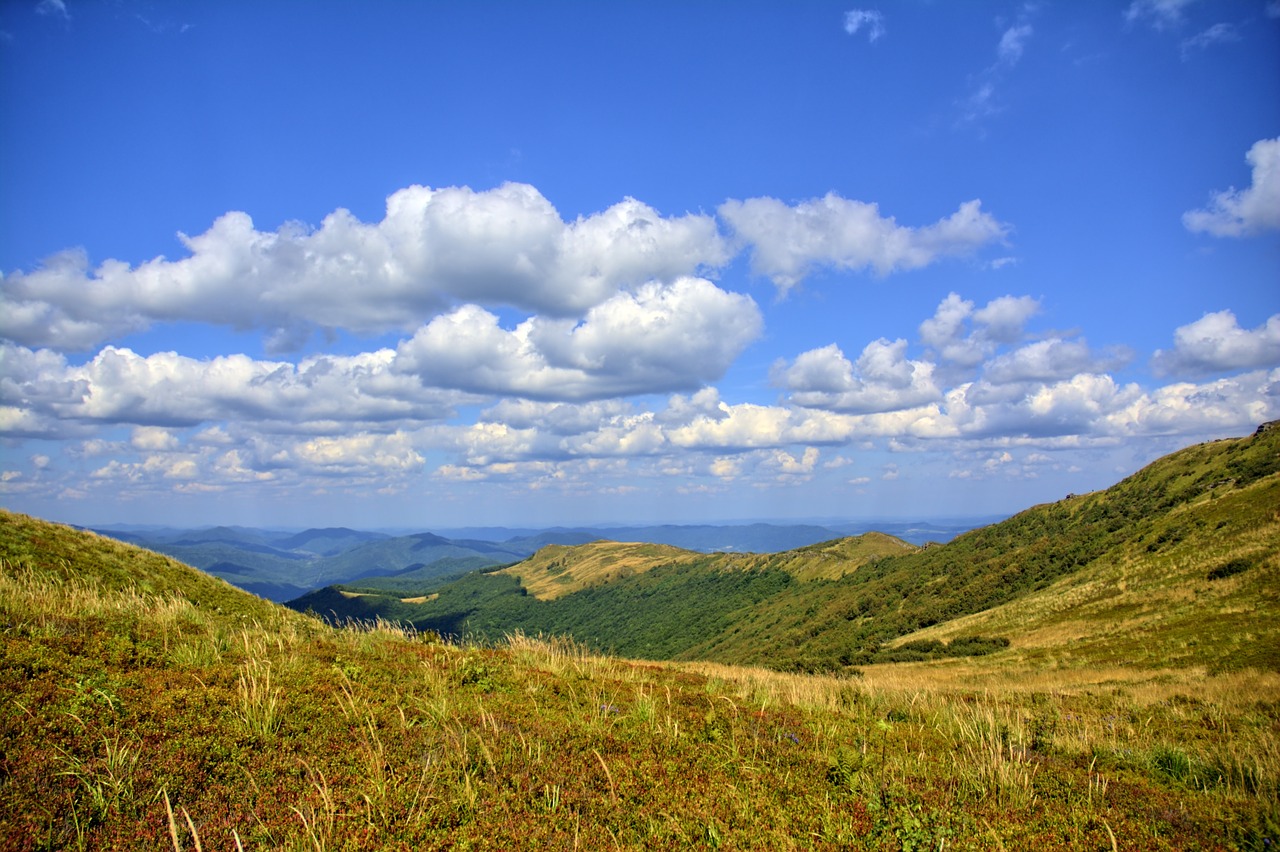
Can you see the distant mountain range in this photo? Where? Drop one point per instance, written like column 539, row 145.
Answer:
column 283, row 564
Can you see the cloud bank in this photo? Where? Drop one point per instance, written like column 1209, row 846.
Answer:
column 438, row 249
column 974, row 378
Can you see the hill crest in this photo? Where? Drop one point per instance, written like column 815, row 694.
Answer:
column 560, row 569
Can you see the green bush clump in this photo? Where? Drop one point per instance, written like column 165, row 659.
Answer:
column 1231, row 568
column 932, row 649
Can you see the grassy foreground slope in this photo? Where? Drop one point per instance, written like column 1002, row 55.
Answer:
column 144, row 705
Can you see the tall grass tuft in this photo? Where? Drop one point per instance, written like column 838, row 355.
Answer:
column 261, row 704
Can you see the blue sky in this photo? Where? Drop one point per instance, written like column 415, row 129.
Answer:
column 430, row 264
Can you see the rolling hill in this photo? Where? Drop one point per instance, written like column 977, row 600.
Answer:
column 1197, row 529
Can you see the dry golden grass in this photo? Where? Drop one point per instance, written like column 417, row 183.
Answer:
column 558, row 570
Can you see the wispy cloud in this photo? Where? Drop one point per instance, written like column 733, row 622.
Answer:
column 1013, row 42
column 1160, row 14
column 869, row 20
column 1216, row 34
column 982, row 100
column 53, row 8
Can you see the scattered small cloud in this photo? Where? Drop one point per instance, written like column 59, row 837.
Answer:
column 1244, row 212
column 869, row 20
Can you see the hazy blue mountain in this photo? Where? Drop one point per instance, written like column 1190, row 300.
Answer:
column 329, row 541
column 283, row 564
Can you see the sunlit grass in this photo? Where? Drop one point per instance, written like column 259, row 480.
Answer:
column 145, row 720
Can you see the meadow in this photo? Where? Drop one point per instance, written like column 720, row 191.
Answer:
column 147, row 706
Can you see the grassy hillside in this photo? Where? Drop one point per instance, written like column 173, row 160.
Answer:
column 832, row 560
column 1201, row 588
column 557, row 570
column 1205, row 509
column 144, row 705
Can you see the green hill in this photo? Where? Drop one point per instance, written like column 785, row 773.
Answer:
column 559, row 570
column 1202, row 511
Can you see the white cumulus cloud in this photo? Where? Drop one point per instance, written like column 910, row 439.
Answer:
column 435, row 248
column 1047, row 360
column 1242, row 212
column 660, row 338
column 167, row 389
column 1216, row 343
column 790, row 241
column 881, row 379
column 960, row 333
